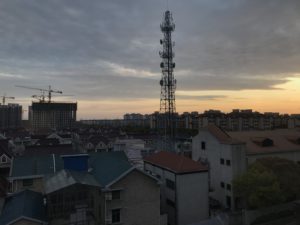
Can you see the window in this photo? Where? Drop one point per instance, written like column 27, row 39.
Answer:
column 203, row 145
column 228, row 201
column 222, row 184
column 116, row 215
column 228, row 187
column 116, row 195
column 222, row 161
column 228, row 163
column 3, row 159
column 158, row 176
column 27, row 182
column 170, row 184
column 170, row 203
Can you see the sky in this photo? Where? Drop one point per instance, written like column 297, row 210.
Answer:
column 104, row 53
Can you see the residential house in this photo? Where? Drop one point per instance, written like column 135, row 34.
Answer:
column 184, row 187
column 103, row 188
column 26, row 207
column 228, row 154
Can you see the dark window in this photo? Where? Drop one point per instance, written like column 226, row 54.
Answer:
column 228, row 201
column 116, row 215
column 170, row 184
column 228, row 163
column 3, row 160
column 170, row 203
column 158, row 176
column 203, row 145
column 115, row 195
column 222, row 161
column 222, row 185
column 27, row 182
column 228, row 187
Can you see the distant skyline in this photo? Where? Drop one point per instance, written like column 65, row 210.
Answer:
column 229, row 54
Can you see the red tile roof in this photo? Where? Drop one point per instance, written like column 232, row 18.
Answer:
column 284, row 140
column 175, row 163
column 221, row 135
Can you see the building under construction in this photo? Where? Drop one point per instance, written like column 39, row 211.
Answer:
column 52, row 115
column 10, row 116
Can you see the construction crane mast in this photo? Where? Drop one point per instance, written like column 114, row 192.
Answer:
column 45, row 93
column 167, row 82
column 4, row 97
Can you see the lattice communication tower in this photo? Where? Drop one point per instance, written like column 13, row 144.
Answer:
column 167, row 82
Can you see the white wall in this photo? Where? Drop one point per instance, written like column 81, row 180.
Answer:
column 192, row 197
column 214, row 152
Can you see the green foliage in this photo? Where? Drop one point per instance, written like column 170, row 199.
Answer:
column 288, row 175
column 259, row 187
column 269, row 181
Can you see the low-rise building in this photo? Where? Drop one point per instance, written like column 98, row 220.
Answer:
column 184, row 187
column 100, row 188
column 228, row 154
column 26, row 207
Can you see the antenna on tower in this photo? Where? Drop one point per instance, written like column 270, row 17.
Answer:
column 167, row 82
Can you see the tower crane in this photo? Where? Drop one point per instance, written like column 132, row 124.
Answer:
column 45, row 93
column 4, row 97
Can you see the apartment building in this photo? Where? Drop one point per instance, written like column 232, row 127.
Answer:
column 10, row 116
column 237, row 120
column 44, row 115
column 225, row 158
column 184, row 187
column 228, row 155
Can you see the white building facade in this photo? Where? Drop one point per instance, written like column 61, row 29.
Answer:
column 228, row 154
column 184, row 187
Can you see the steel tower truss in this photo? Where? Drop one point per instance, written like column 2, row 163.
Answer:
column 167, row 82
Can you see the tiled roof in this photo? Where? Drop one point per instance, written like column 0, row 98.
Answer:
column 61, row 149
column 95, row 139
column 36, row 165
column 106, row 166
column 27, row 204
column 65, row 178
column 175, row 163
column 284, row 140
column 221, row 135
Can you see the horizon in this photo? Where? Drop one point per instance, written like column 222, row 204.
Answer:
column 228, row 55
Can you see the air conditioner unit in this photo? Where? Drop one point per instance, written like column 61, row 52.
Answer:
column 108, row 196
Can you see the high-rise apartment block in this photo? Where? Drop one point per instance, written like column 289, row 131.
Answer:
column 237, row 120
column 45, row 115
column 10, row 116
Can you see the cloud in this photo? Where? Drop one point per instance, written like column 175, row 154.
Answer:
column 109, row 49
column 202, row 97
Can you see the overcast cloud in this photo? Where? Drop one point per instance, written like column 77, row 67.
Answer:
column 98, row 49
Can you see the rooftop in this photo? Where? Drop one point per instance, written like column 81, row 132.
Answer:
column 26, row 204
column 175, row 163
column 267, row 141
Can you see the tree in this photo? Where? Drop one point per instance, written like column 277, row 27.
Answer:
column 259, row 187
column 287, row 173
